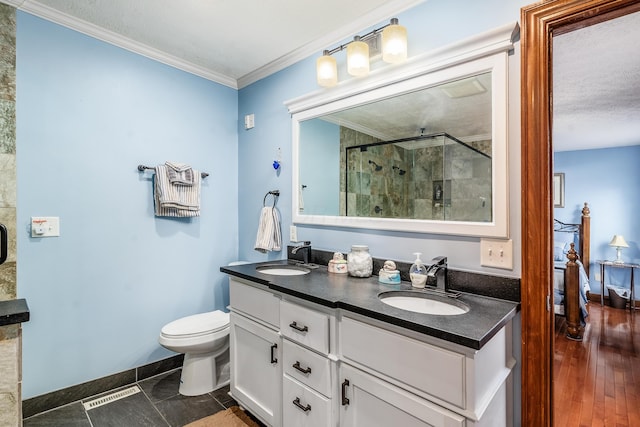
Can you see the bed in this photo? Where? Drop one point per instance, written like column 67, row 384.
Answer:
column 571, row 272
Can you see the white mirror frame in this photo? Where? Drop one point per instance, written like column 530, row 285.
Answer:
column 485, row 52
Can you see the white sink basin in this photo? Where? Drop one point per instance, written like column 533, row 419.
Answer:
column 423, row 303
column 283, row 270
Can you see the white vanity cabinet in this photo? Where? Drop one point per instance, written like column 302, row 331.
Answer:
column 308, row 368
column 295, row 363
column 368, row 401
column 387, row 374
column 256, row 351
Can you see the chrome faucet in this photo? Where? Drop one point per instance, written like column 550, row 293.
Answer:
column 439, row 270
column 306, row 254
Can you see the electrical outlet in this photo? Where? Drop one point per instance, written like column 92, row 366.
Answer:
column 496, row 253
column 293, row 233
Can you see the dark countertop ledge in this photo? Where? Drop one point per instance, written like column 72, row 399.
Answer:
column 360, row 295
column 13, row 311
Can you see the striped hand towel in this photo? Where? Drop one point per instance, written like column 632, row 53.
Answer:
column 179, row 173
column 175, row 200
column 269, row 236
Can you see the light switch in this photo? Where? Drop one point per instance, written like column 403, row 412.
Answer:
column 293, row 233
column 496, row 253
column 249, row 121
column 45, row 226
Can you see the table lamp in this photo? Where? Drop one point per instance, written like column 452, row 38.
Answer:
column 618, row 242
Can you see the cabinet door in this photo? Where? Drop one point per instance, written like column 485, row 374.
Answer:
column 256, row 373
column 367, row 401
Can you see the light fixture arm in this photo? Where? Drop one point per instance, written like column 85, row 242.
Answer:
column 368, row 36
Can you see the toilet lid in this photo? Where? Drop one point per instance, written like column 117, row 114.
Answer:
column 198, row 324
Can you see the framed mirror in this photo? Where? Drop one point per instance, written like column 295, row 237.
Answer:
column 420, row 147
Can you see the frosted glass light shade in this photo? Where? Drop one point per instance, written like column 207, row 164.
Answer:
column 358, row 58
column 326, row 70
column 394, row 43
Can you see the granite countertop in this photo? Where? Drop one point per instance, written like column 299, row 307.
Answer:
column 360, row 295
column 13, row 311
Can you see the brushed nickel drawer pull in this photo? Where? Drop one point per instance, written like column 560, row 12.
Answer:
column 306, row 370
column 295, row 326
column 299, row 405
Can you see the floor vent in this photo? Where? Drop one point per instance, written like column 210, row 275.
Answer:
column 111, row 397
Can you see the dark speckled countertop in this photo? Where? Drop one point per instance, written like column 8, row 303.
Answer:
column 360, row 295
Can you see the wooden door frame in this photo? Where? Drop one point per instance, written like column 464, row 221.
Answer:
column 539, row 22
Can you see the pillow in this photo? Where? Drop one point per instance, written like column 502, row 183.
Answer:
column 558, row 251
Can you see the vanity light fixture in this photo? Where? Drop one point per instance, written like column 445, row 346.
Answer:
column 618, row 242
column 394, row 50
column 358, row 58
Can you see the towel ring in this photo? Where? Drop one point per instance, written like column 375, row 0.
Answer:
column 275, row 194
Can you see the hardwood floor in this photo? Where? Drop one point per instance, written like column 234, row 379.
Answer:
column 597, row 381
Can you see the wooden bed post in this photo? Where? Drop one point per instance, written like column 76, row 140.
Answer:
column 585, row 238
column 572, row 296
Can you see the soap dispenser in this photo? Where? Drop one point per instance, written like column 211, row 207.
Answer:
column 418, row 272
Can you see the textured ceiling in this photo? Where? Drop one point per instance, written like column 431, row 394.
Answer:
column 596, row 85
column 228, row 41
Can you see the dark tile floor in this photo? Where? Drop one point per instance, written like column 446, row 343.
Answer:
column 157, row 405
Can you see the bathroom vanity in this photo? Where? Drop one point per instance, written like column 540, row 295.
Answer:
column 322, row 350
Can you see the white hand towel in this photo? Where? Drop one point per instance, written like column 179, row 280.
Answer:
column 269, row 237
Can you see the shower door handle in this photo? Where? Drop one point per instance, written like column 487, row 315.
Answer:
column 4, row 238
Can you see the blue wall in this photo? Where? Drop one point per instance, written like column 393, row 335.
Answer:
column 322, row 147
column 87, row 114
column 607, row 179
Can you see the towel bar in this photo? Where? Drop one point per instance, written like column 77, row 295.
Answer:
column 142, row 168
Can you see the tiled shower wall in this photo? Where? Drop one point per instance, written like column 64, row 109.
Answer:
column 10, row 336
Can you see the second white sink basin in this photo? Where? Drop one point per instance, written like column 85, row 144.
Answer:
column 420, row 302
column 283, row 270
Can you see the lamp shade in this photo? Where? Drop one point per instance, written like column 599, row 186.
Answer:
column 618, row 242
column 358, row 58
column 394, row 43
column 326, row 70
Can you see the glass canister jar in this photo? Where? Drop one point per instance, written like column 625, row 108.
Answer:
column 359, row 261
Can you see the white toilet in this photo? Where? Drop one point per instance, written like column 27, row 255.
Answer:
column 204, row 340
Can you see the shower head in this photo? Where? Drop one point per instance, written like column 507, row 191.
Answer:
column 377, row 167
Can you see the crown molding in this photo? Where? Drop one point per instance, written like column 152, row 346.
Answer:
column 84, row 27
column 365, row 21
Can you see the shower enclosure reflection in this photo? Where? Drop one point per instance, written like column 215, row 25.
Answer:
column 435, row 177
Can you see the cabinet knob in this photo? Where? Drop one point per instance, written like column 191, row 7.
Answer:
column 273, row 358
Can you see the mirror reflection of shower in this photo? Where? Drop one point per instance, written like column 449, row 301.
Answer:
column 400, row 171
column 377, row 167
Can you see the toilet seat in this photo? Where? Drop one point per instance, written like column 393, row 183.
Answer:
column 196, row 325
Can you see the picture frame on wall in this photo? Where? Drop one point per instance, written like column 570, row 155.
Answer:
column 558, row 190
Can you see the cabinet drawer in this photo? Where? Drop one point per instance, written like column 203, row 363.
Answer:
column 307, row 367
column 438, row 372
column 262, row 305
column 303, row 407
column 305, row 326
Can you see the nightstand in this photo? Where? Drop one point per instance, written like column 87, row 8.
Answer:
column 632, row 267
